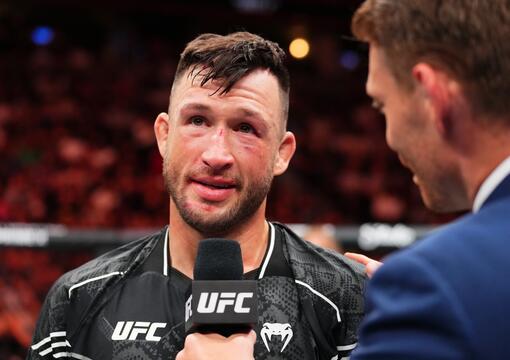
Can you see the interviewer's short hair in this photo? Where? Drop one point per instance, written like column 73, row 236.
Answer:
column 228, row 58
column 469, row 39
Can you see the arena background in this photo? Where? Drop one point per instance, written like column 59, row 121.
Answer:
column 80, row 86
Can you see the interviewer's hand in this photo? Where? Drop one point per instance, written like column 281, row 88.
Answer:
column 214, row 346
column 371, row 265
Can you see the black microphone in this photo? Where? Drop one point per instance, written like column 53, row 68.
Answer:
column 221, row 302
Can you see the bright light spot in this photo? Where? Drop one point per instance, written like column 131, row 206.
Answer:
column 42, row 35
column 299, row 48
column 349, row 60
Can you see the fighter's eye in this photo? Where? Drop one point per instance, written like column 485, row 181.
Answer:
column 197, row 120
column 246, row 128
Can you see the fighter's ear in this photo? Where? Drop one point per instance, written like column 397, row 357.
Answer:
column 285, row 153
column 162, row 129
column 440, row 93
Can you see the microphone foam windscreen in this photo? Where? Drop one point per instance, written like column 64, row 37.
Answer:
column 218, row 259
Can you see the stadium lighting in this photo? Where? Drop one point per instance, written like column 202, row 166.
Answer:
column 299, row 48
column 42, row 35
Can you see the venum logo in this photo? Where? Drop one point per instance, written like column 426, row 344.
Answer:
column 284, row 331
column 216, row 302
column 130, row 330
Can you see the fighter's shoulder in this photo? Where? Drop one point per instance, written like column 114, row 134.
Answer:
column 323, row 268
column 332, row 283
column 306, row 254
column 115, row 262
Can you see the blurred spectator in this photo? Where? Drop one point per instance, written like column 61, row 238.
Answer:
column 324, row 236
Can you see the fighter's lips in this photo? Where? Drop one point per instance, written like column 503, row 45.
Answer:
column 216, row 184
column 213, row 190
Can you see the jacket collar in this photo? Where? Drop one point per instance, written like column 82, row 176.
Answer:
column 496, row 185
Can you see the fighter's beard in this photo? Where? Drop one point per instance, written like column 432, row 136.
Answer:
column 237, row 214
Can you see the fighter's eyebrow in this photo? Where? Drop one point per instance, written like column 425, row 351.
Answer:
column 195, row 106
column 251, row 114
column 246, row 112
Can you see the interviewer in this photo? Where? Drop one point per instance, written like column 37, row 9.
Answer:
column 440, row 73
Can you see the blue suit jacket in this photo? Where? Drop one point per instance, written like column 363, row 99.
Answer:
column 448, row 297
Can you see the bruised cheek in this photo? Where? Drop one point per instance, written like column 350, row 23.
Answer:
column 262, row 161
column 251, row 150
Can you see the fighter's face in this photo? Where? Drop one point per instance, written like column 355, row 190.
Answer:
column 222, row 151
column 410, row 131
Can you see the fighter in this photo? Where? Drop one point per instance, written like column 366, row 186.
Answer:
column 222, row 141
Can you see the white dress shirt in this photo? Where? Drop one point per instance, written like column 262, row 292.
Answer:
column 491, row 183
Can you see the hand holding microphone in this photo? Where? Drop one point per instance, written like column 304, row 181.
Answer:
column 222, row 310
column 215, row 346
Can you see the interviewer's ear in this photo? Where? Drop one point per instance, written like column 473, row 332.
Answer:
column 285, row 153
column 439, row 91
column 161, row 129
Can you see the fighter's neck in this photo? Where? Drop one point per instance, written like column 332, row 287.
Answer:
column 183, row 242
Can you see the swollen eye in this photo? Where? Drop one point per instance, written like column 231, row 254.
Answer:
column 246, row 128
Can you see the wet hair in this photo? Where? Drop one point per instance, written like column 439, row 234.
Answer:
column 229, row 58
column 468, row 39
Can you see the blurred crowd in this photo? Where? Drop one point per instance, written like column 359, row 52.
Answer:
column 77, row 143
column 77, row 148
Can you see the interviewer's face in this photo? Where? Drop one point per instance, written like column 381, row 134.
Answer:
column 412, row 133
column 221, row 152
